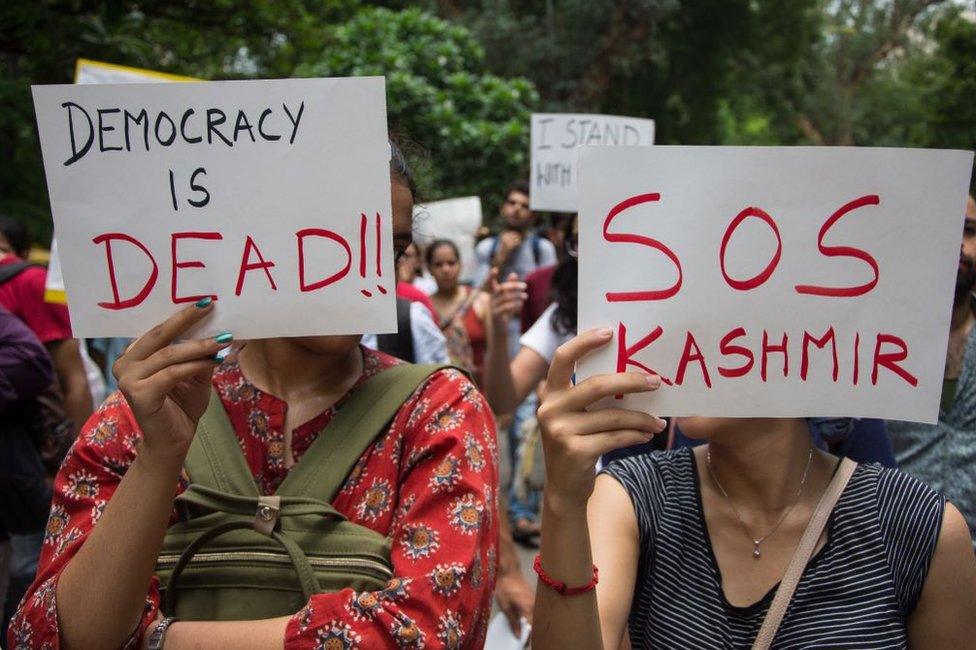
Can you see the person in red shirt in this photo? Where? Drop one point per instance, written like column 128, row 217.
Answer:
column 23, row 296
column 429, row 484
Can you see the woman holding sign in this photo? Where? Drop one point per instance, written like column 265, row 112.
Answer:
column 420, row 497
column 751, row 539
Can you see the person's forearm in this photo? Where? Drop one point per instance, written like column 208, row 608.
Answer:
column 70, row 371
column 101, row 593
column 499, row 383
column 565, row 621
column 240, row 635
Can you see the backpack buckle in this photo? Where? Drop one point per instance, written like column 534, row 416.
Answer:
column 266, row 517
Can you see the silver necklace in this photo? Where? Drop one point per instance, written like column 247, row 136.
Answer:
column 756, row 553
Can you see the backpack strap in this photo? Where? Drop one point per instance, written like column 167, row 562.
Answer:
column 12, row 270
column 536, row 249
column 215, row 459
column 365, row 415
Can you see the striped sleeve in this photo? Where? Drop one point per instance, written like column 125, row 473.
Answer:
column 642, row 479
column 910, row 516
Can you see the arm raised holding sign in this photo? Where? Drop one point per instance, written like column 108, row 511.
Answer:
column 656, row 543
column 425, row 486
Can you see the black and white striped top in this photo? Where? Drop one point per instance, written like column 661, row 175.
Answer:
column 857, row 591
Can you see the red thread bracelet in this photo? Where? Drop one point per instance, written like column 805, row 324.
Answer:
column 560, row 587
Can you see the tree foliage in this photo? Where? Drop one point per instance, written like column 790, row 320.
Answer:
column 473, row 123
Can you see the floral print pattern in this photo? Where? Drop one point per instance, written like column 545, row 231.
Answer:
column 425, row 485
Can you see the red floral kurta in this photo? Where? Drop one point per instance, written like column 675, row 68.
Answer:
column 428, row 483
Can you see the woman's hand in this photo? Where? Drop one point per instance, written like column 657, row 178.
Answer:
column 167, row 384
column 574, row 438
column 507, row 297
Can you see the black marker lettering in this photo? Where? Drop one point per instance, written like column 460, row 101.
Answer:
column 243, row 125
column 186, row 115
column 142, row 117
column 294, row 120
column 172, row 129
column 267, row 136
column 103, row 128
column 77, row 154
column 213, row 122
column 199, row 188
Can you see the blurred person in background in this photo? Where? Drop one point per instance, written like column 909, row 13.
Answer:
column 944, row 454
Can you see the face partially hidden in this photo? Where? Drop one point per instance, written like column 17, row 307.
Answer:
column 516, row 212
column 402, row 238
column 445, row 267
column 702, row 428
column 966, row 276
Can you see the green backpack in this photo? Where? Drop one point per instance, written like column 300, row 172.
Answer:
column 251, row 557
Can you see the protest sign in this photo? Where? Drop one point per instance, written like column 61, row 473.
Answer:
column 271, row 196
column 97, row 72
column 555, row 138
column 773, row 281
column 454, row 219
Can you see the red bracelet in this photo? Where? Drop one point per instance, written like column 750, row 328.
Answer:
column 560, row 587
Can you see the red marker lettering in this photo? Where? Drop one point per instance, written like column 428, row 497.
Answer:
column 751, row 283
column 137, row 299
column 192, row 264
column 820, row 343
column 335, row 277
column 246, row 266
column 890, row 360
column 625, row 354
column 727, row 349
column 629, row 238
column 844, row 251
column 767, row 348
column 691, row 353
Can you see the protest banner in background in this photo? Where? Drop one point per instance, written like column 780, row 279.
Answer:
column 97, row 72
column 773, row 281
column 454, row 219
column 555, row 138
column 272, row 196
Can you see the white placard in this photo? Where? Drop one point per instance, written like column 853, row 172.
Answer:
column 850, row 254
column 97, row 72
column 454, row 219
column 274, row 196
column 555, row 139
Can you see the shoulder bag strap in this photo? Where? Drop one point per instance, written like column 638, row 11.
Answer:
column 12, row 270
column 215, row 458
column 804, row 550
column 365, row 415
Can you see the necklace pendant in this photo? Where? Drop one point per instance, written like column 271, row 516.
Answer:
column 755, row 550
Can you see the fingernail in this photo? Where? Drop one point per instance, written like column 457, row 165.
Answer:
column 660, row 423
column 218, row 359
column 604, row 332
column 204, row 302
column 224, row 337
column 653, row 381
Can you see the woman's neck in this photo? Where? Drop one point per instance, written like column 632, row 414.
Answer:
column 448, row 293
column 287, row 369
column 760, row 464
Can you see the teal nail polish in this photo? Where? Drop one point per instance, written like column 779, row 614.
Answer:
column 217, row 359
column 205, row 301
column 225, row 337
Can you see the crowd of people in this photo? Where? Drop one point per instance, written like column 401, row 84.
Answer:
column 650, row 532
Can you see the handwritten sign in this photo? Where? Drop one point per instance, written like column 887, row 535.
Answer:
column 271, row 196
column 773, row 281
column 555, row 138
column 97, row 72
column 454, row 219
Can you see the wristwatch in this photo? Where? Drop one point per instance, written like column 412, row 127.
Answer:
column 156, row 637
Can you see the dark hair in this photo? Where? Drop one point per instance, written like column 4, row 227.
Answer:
column 437, row 243
column 16, row 234
column 565, row 282
column 521, row 187
column 399, row 168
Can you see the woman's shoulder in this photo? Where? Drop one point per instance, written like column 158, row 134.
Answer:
column 655, row 473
